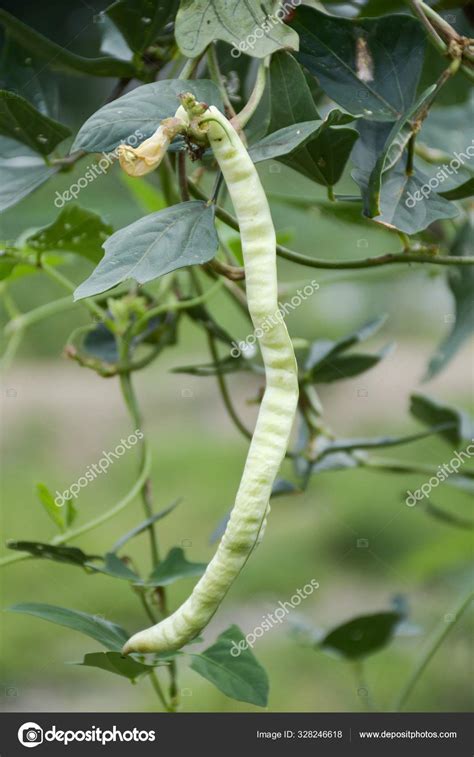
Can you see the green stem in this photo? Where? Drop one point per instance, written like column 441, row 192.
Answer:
column 188, row 68
column 93, row 308
column 243, row 117
column 130, row 399
column 297, row 257
column 439, row 636
column 159, row 691
column 216, row 76
column 433, row 36
column 224, row 390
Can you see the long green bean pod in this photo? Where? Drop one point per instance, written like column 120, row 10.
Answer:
column 272, row 431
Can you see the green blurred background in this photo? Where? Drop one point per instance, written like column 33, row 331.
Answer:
column 57, row 418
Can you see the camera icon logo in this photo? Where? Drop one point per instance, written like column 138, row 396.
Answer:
column 30, row 734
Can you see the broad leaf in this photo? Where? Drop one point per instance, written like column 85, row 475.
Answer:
column 136, row 115
column 75, row 230
column 174, row 567
column 115, row 567
column 179, row 236
column 22, row 171
column 239, row 677
column 323, row 158
column 54, row 511
column 59, row 58
column 458, row 426
column 461, row 283
column 140, row 21
column 69, row 555
column 19, row 120
column 113, row 42
column 110, row 635
column 362, row 636
column 460, row 192
column 22, row 73
column 114, row 662
column 370, row 67
column 200, row 22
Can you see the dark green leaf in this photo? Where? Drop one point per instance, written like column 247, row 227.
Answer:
column 19, row 120
column 226, row 365
column 202, row 317
column 323, row 158
column 75, row 230
column 54, row 511
column 371, row 67
column 114, row 662
column 143, row 526
column 344, row 445
column 140, row 21
column 113, row 42
column 174, row 567
column 432, row 413
column 452, row 519
column 200, row 22
column 115, row 567
column 282, row 487
column 461, row 283
column 59, row 58
column 325, row 348
column 347, row 366
column 180, row 236
column 238, row 676
column 23, row 74
column 139, row 112
column 334, row 461
column 460, row 192
column 362, row 636
column 7, row 264
column 110, row 635
column 22, row 169
column 69, row 555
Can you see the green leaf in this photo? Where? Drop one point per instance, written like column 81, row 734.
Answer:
column 323, row 158
column 452, row 519
column 115, row 567
column 69, row 555
column 459, row 427
column 140, row 21
column 54, row 511
column 239, row 677
column 22, row 73
column 75, row 230
column 460, row 192
column 370, row 67
column 362, row 636
column 143, row 526
column 22, row 171
column 57, row 57
column 201, row 22
column 70, row 512
column 113, row 42
column 461, row 283
column 347, row 366
column 225, row 365
column 114, row 662
column 174, row 567
column 110, row 635
column 324, row 348
column 19, row 120
column 139, row 112
column 179, row 236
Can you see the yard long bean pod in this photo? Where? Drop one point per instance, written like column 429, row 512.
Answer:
column 277, row 410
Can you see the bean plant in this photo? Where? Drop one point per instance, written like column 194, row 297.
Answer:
column 203, row 98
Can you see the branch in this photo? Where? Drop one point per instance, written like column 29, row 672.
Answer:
column 297, row 257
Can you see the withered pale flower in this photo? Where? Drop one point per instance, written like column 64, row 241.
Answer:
column 138, row 161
